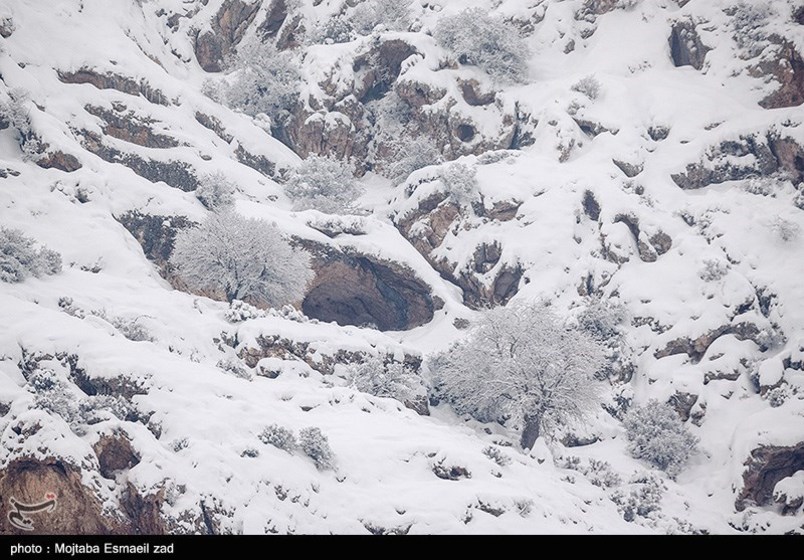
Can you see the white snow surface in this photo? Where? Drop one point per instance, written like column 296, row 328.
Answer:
column 197, row 437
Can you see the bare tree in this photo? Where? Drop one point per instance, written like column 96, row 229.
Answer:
column 521, row 364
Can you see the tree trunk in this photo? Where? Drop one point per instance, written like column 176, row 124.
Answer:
column 531, row 432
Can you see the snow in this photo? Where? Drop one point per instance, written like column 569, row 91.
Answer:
column 197, row 438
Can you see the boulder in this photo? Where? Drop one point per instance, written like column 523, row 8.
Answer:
column 764, row 468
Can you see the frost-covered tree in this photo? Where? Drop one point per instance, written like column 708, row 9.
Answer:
column 261, row 80
column 521, row 364
column 20, row 259
column 215, row 191
column 657, row 435
column 477, row 39
column 16, row 112
column 460, row 181
column 381, row 379
column 392, row 15
column 325, row 184
column 240, row 258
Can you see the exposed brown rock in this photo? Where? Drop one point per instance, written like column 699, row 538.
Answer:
column 115, row 454
column 227, row 29
column 276, row 16
column 765, row 467
column 696, row 349
column 787, row 67
column 177, row 174
column 748, row 156
column 77, row 510
column 110, row 80
column 682, row 403
column 59, row 160
column 355, row 289
column 215, row 125
column 131, row 128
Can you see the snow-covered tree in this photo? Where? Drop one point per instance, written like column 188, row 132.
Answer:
column 240, row 258
column 215, row 191
column 521, row 364
column 323, row 183
column 657, row 435
column 262, row 80
column 20, row 259
column 392, row 15
column 392, row 379
column 460, row 181
column 477, row 39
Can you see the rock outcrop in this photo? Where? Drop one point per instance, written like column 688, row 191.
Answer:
column 765, row 467
column 225, row 31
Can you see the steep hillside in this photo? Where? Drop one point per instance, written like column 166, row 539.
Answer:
column 642, row 160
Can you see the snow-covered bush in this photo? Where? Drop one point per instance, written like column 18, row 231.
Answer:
column 640, row 497
column 381, row 379
column 132, row 329
column 521, row 364
column 496, row 455
column 240, row 311
column 394, row 151
column 392, row 15
column 280, row 437
column 460, row 181
column 494, row 46
column 748, row 24
column 241, row 258
column 19, row 259
column 713, row 270
column 588, row 86
column 410, row 154
column 315, row 445
column 657, row 435
column 787, row 230
column 332, row 30
column 16, row 112
column 325, row 184
column 215, row 191
column 261, row 80
column 603, row 319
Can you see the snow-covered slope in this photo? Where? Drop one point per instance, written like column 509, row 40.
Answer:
column 652, row 158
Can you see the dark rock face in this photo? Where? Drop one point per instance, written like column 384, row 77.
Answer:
column 434, row 218
column 130, row 128
column 651, row 247
column 591, row 207
column 276, row 16
column 115, row 454
column 748, row 156
column 766, row 466
column 155, row 234
column 114, row 81
column 686, row 48
column 59, row 160
column 177, row 174
column 629, row 169
column 787, row 67
column 227, row 29
column 354, row 289
column 696, row 348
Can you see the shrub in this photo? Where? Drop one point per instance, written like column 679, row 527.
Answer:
column 381, row 379
column 520, row 363
column 315, row 445
column 657, row 435
column 325, row 184
column 215, row 191
column 588, row 86
column 713, row 270
column 330, row 31
column 641, row 497
column 16, row 112
column 492, row 45
column 497, row 456
column 280, row 437
column 460, row 181
column 262, row 80
column 240, row 258
column 393, row 15
column 785, row 229
column 19, row 259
